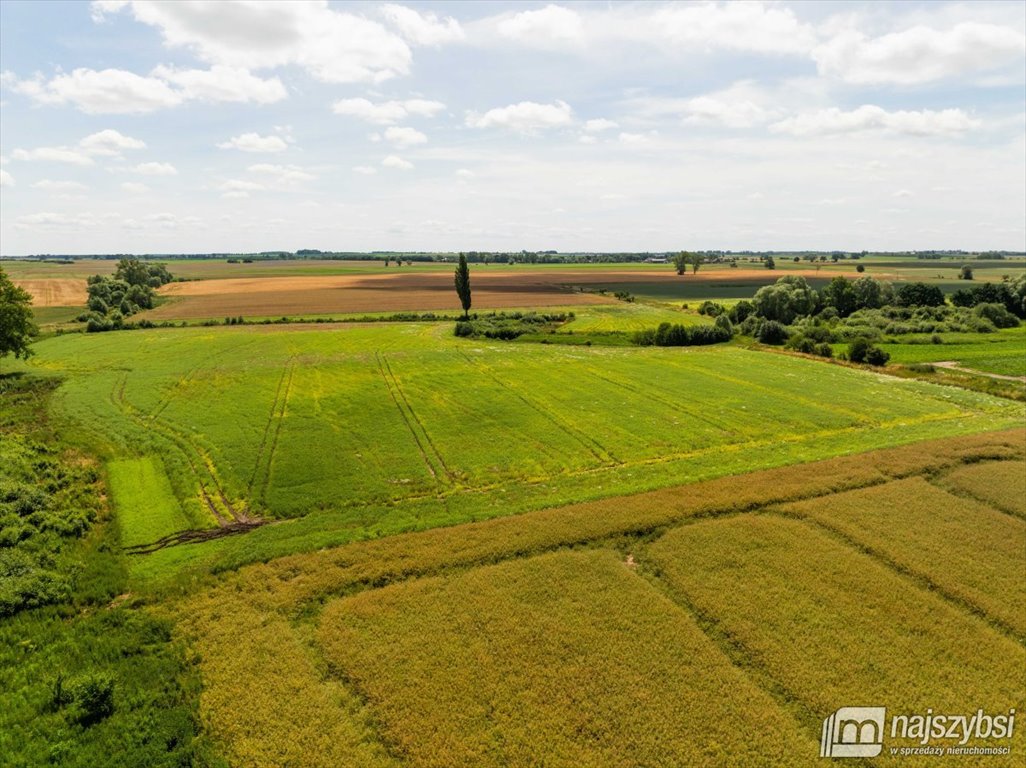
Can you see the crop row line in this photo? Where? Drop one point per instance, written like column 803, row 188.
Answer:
column 275, row 417
column 588, row 442
column 442, row 474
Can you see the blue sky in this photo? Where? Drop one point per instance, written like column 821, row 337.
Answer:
column 238, row 126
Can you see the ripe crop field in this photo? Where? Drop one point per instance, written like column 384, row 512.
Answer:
column 567, row 659
column 1001, row 485
column 826, row 623
column 975, row 563
column 363, row 429
column 653, row 629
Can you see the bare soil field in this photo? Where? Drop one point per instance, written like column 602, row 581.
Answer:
column 414, row 288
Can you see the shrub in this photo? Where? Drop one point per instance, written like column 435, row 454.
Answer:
column 936, row 339
column 723, row 322
column 920, row 295
column 667, row 335
column 772, row 332
column 824, row 350
column 997, row 314
column 711, row 309
column 92, row 697
column 860, row 268
column 862, row 350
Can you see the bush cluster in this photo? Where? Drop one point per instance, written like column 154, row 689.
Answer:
column 509, row 325
column 129, row 290
column 675, row 335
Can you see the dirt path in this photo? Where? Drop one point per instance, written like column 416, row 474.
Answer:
column 952, row 365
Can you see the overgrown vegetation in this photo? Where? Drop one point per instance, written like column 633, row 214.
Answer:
column 83, row 682
column 509, row 325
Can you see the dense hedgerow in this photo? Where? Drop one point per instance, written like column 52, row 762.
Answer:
column 676, row 335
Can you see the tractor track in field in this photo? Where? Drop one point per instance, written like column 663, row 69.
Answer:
column 194, row 536
column 227, row 514
column 276, row 417
column 399, row 398
column 592, row 445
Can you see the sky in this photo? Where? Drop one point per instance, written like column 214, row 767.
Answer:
column 186, row 127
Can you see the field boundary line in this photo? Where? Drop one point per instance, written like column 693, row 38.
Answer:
column 389, row 384
column 921, row 580
column 938, row 481
column 588, row 442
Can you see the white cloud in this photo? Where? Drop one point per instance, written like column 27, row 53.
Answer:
column 525, row 117
column 50, row 221
column 394, row 161
column 465, row 173
column 587, row 139
column 282, row 174
column 59, row 186
column 155, row 169
column 750, row 26
column 920, row 54
column 404, row 137
column 238, row 188
column 870, row 117
column 118, row 91
column 254, row 142
column 333, row 46
column 108, row 91
column 134, row 187
column 6, row 180
column 422, row 29
column 741, row 105
column 600, row 124
column 54, row 154
column 387, row 112
column 222, row 84
column 548, row 26
column 366, row 170
column 902, row 193
column 633, row 139
column 109, row 143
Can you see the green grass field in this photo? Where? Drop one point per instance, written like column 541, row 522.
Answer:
column 1003, row 352
column 372, row 429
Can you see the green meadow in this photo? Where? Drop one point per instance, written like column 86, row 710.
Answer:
column 352, row 431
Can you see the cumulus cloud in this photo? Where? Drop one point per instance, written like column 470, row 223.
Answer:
column 282, row 174
column 6, row 180
column 54, row 154
column 334, row 46
column 155, row 169
column 868, row 117
column 51, row 221
column 742, row 105
column 394, row 161
column 109, row 143
column 118, row 91
column 134, row 187
column 550, row 25
column 49, row 185
column 254, row 142
column 633, row 139
column 525, row 117
column 239, row 188
column 404, row 137
column 600, row 124
column 920, row 54
column 422, row 28
column 386, row 112
column 222, row 84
